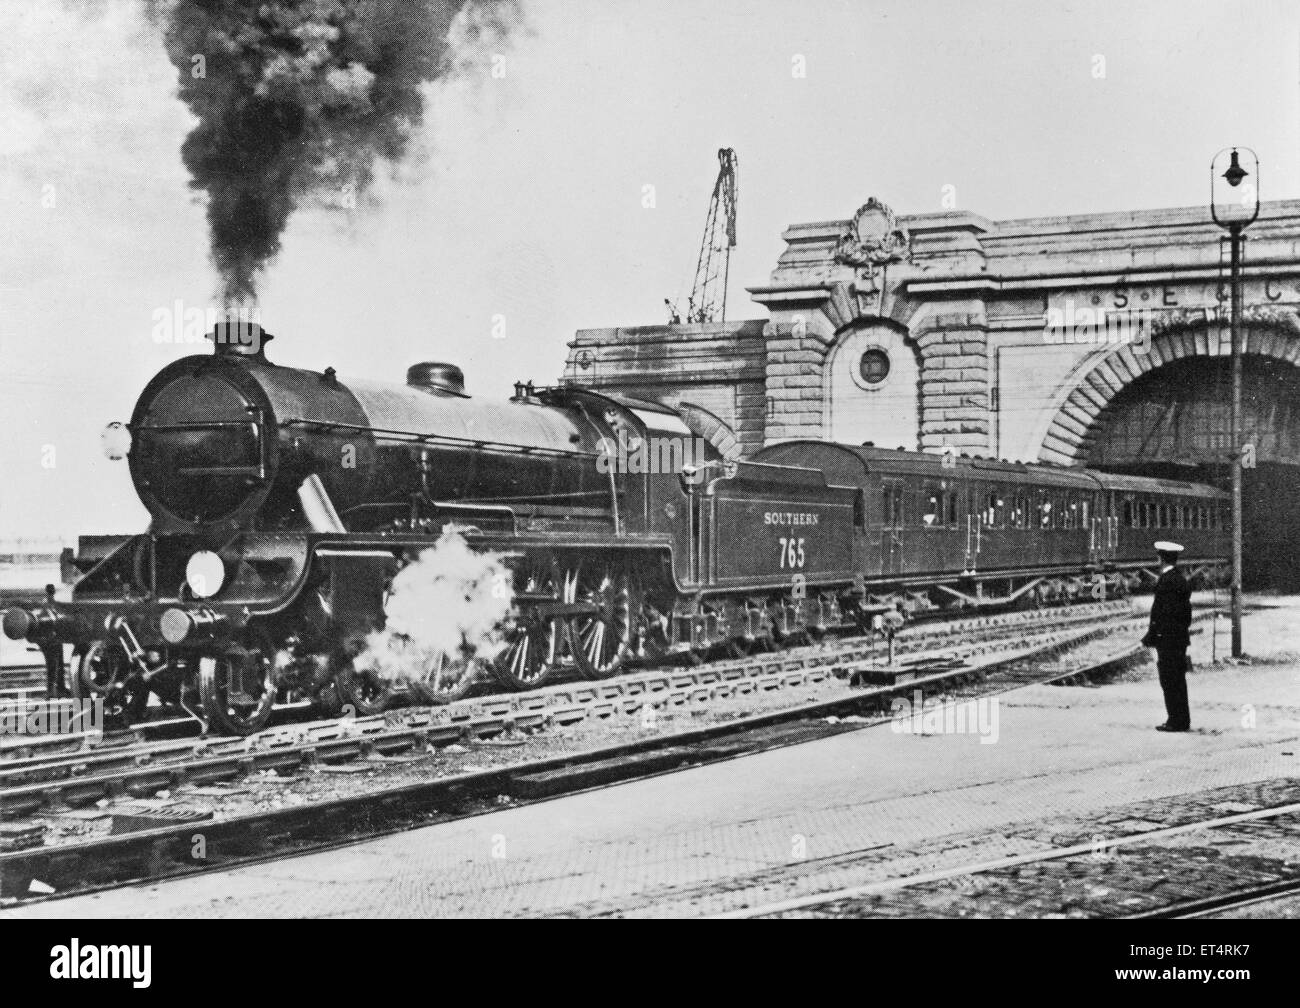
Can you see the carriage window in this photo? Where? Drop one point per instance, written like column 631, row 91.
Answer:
column 952, row 509
column 1214, row 517
column 1072, row 514
column 892, row 509
column 1128, row 514
column 1020, row 513
column 1044, row 513
column 932, row 511
column 1175, row 516
column 995, row 515
column 1083, row 512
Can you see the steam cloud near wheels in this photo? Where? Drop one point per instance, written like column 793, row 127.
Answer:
column 451, row 602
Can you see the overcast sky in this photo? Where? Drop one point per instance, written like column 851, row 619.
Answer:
column 525, row 196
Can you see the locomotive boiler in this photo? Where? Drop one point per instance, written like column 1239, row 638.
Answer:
column 284, row 502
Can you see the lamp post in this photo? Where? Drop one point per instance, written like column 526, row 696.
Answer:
column 1234, row 205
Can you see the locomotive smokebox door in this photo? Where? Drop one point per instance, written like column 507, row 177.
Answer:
column 358, row 581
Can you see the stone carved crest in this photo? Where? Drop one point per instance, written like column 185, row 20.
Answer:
column 874, row 238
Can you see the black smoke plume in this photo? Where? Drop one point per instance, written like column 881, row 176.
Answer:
column 303, row 98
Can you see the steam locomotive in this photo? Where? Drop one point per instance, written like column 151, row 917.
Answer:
column 284, row 502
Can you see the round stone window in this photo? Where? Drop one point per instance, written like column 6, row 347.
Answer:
column 873, row 366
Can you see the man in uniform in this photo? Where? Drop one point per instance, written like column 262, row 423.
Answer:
column 1171, row 618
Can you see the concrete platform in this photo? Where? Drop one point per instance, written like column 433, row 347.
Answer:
column 801, row 820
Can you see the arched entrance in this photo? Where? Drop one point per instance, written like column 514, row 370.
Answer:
column 1179, row 414
column 1070, row 434
column 1167, row 413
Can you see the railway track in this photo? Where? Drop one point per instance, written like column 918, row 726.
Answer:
column 1139, row 875
column 481, row 710
column 26, row 760
column 20, row 681
column 158, row 850
column 1213, row 906
column 31, row 784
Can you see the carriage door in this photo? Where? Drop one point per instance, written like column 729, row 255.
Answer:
column 1112, row 525
column 1097, row 530
column 973, row 520
column 891, row 545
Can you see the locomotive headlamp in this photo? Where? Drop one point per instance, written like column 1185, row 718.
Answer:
column 116, row 440
column 205, row 574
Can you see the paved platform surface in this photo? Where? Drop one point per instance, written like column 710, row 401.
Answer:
column 800, row 820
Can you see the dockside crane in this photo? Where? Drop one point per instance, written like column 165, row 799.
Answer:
column 708, row 299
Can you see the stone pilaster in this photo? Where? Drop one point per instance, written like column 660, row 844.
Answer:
column 795, row 362
column 955, row 387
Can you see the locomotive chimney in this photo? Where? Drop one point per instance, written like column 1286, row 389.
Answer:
column 438, row 378
column 239, row 338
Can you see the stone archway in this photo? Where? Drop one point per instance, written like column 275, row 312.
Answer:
column 1178, row 416
column 1068, row 437
column 1164, row 413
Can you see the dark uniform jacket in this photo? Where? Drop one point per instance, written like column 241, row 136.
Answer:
column 1171, row 613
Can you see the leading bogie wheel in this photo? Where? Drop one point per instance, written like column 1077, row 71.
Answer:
column 101, row 674
column 362, row 692
column 238, row 684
